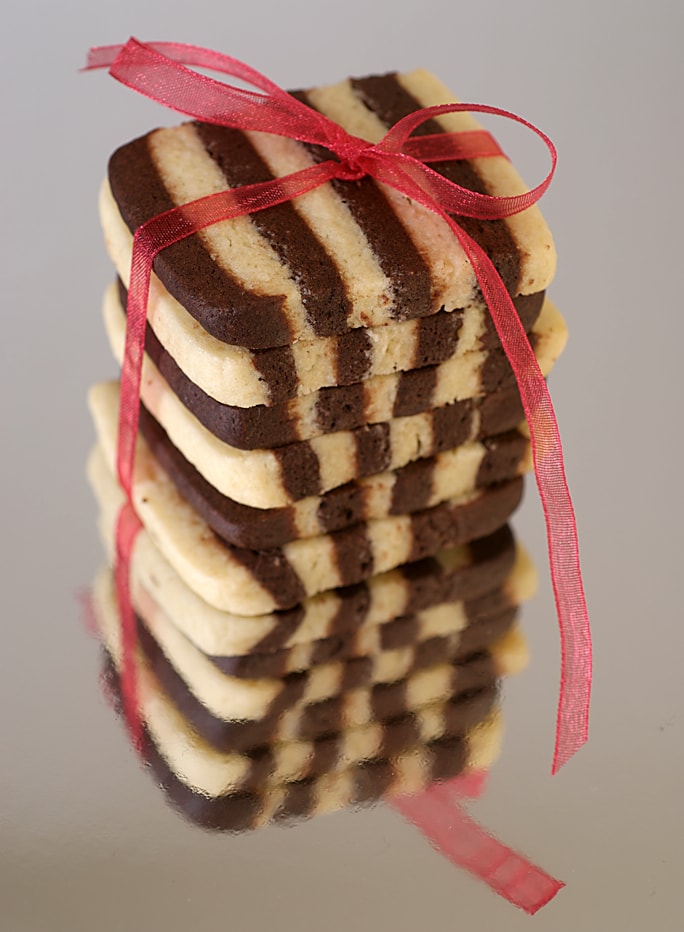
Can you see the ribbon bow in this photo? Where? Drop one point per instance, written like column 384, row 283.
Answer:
column 401, row 162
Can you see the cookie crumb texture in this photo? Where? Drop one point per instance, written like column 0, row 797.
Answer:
column 331, row 445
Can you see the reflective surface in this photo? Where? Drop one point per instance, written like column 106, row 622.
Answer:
column 86, row 839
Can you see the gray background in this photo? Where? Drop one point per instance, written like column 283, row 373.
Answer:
column 86, row 841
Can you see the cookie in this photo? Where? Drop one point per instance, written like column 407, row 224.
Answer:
column 219, row 704
column 179, row 762
column 286, row 474
column 343, row 256
column 414, row 632
column 251, row 582
column 420, row 484
column 241, row 377
column 466, row 624
column 480, row 374
column 460, row 573
column 228, row 712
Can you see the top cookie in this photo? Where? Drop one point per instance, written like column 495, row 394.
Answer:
column 347, row 255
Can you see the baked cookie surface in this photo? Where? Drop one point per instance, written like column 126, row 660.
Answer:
column 347, row 255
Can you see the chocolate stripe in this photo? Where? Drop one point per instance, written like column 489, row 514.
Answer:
column 340, row 408
column 353, row 356
column 353, row 554
column 274, row 573
column 342, row 507
column 452, row 424
column 324, row 292
column 503, row 456
column 390, row 101
column 415, row 390
column 371, row 778
column 433, row 332
column 496, row 372
column 400, row 632
column 373, row 449
column 278, row 371
column 354, row 604
column 211, row 295
column 300, row 471
column 412, row 487
column 392, row 246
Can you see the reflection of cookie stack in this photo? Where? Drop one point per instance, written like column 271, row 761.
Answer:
column 329, row 454
column 304, row 757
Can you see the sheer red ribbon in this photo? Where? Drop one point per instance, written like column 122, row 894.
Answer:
column 440, row 815
column 155, row 70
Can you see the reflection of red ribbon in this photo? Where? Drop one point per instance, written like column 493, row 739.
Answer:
column 401, row 163
column 440, row 815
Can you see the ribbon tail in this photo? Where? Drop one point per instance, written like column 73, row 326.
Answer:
column 127, row 528
column 155, row 70
column 464, row 842
column 572, row 723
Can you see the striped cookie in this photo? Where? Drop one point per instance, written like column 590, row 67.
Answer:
column 462, row 377
column 344, row 256
column 218, row 703
column 260, row 768
column 245, row 378
column 306, row 717
column 421, row 484
column 460, row 573
column 191, row 773
column 413, row 632
column 291, row 719
column 312, row 467
column 251, row 582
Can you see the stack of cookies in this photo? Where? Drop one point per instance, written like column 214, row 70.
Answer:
column 331, row 444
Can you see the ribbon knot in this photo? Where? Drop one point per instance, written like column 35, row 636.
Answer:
column 350, row 169
column 400, row 162
column 352, row 152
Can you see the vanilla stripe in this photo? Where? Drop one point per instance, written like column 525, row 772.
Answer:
column 188, row 173
column 324, row 213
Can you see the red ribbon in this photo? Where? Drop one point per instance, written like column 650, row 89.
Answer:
column 402, row 163
column 440, row 815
